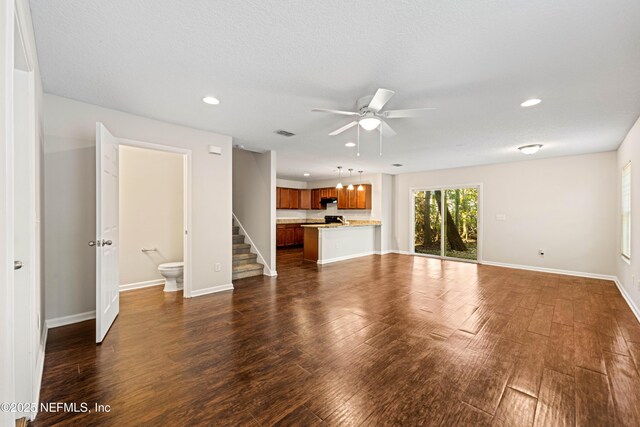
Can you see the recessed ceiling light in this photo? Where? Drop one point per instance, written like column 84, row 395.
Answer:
column 531, row 102
column 530, row 149
column 307, row 174
column 350, row 144
column 211, row 100
column 398, row 165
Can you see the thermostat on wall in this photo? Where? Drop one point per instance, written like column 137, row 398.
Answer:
column 215, row 150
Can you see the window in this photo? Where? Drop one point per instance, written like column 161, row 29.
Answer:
column 626, row 211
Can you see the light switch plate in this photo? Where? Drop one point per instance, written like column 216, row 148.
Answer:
column 501, row 217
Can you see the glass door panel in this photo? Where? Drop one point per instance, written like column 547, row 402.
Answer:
column 427, row 223
column 461, row 223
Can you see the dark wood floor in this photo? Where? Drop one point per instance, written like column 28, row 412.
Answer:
column 372, row 341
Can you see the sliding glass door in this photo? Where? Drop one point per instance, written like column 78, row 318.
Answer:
column 445, row 222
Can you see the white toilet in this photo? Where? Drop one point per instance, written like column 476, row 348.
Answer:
column 172, row 272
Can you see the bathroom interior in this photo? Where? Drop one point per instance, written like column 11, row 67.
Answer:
column 151, row 209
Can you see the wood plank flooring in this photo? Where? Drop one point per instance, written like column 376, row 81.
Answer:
column 392, row 340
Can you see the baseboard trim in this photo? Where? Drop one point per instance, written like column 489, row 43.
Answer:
column 140, row 285
column 39, row 370
column 68, row 320
column 550, row 270
column 628, row 299
column 270, row 273
column 212, row 290
column 344, row 258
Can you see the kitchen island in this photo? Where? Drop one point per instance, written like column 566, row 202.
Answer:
column 326, row 243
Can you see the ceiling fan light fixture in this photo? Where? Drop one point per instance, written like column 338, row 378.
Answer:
column 530, row 149
column 369, row 123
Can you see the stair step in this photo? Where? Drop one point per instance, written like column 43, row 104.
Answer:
column 247, row 270
column 236, row 229
column 241, row 248
column 238, row 238
column 240, row 259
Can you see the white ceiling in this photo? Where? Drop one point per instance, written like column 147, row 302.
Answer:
column 271, row 61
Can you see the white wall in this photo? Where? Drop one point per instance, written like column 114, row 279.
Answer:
column 151, row 212
column 254, row 198
column 70, row 199
column 563, row 205
column 629, row 151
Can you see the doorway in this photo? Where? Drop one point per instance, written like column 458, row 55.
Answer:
column 151, row 201
column 107, row 243
column 446, row 222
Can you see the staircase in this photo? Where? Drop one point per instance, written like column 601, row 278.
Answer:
column 244, row 261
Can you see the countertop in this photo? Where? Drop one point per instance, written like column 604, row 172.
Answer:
column 352, row 223
column 300, row 221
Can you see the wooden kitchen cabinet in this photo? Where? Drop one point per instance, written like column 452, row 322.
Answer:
column 280, row 235
column 343, row 198
column 364, row 197
column 305, row 199
column 294, row 198
column 289, row 235
column 316, row 195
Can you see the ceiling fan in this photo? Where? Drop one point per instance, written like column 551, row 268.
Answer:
column 370, row 115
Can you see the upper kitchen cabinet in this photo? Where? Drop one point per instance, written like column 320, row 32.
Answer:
column 293, row 198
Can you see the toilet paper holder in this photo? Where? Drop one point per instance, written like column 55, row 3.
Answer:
column 149, row 250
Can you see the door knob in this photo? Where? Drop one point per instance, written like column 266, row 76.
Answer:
column 92, row 243
column 106, row 243
column 17, row 265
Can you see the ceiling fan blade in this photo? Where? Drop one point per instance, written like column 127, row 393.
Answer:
column 414, row 112
column 344, row 113
column 343, row 128
column 387, row 131
column 381, row 97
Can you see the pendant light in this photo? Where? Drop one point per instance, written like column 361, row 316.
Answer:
column 360, row 187
column 350, row 187
column 339, row 186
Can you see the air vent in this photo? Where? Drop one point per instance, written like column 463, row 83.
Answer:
column 284, row 133
column 397, row 165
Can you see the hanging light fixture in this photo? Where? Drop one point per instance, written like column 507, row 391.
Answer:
column 350, row 187
column 339, row 186
column 360, row 187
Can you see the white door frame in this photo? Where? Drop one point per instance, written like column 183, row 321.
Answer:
column 412, row 214
column 186, row 215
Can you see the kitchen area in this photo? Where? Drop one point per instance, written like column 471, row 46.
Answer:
column 326, row 223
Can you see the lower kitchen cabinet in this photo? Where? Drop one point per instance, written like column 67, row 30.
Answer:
column 289, row 235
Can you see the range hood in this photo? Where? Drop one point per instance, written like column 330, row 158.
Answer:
column 328, row 200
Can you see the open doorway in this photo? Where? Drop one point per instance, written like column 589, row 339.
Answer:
column 151, row 213
column 446, row 222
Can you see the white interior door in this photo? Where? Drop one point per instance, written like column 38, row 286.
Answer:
column 107, row 268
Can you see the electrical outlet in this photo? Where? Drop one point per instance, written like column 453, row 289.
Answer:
column 541, row 253
column 218, row 266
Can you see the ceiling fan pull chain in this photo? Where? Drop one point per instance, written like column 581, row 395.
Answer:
column 358, row 141
column 380, row 129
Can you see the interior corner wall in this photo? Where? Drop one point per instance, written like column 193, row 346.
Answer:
column 151, row 212
column 563, row 205
column 70, row 217
column 254, row 186
column 629, row 151
column 387, row 203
